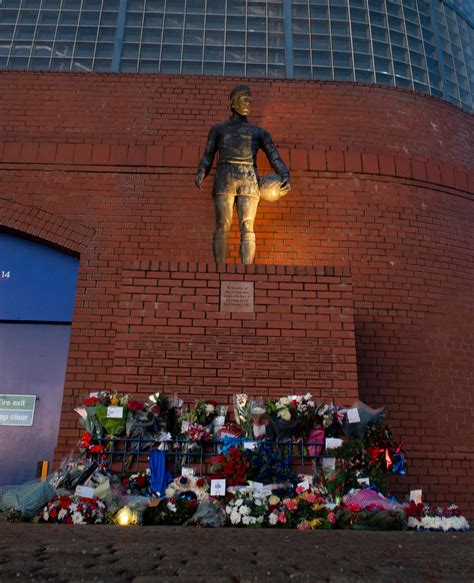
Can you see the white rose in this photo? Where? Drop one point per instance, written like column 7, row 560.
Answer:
column 246, row 520
column 260, row 519
column 209, row 409
column 273, row 518
column 239, row 502
column 244, row 510
column 235, row 518
column 284, row 414
column 228, row 509
column 258, row 502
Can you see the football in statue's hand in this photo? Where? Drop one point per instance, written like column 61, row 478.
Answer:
column 270, row 188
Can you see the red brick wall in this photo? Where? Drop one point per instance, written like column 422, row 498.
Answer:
column 382, row 183
column 173, row 334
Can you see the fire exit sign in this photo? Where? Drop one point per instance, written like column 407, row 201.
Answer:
column 17, row 409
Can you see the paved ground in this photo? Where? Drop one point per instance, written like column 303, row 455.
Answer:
column 35, row 552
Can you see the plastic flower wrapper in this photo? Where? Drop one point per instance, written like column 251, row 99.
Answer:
column 243, row 415
column 331, row 483
column 283, row 422
column 247, row 509
column 209, row 514
column 219, row 420
column 101, row 404
column 89, row 420
column 367, row 416
column 259, row 418
column 73, row 470
column 23, row 502
column 356, row 518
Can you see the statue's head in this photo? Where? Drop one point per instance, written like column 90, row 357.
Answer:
column 240, row 99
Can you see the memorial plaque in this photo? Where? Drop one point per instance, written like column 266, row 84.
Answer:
column 237, row 296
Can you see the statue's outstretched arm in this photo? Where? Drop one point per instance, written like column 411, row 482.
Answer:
column 205, row 164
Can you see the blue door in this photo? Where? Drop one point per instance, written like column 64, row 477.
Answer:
column 37, row 287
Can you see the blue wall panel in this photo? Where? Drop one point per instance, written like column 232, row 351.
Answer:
column 37, row 283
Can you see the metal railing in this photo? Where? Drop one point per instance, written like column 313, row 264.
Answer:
column 131, row 454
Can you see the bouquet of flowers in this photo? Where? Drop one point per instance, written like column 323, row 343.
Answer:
column 136, row 484
column 203, row 412
column 371, row 518
column 259, row 418
column 194, row 433
column 331, row 484
column 424, row 517
column 305, row 511
column 247, row 509
column 73, row 510
column 268, row 465
column 283, row 418
column 331, row 418
column 171, row 511
column 243, row 414
column 233, row 467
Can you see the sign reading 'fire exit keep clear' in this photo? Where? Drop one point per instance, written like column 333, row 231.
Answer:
column 17, row 409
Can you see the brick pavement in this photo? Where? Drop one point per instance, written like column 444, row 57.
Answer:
column 63, row 553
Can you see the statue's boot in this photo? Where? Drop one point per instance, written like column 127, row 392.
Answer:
column 247, row 248
column 220, row 249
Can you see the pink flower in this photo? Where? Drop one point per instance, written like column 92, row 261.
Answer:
column 331, row 518
column 311, row 498
column 282, row 518
column 290, row 504
column 302, row 526
column 300, row 489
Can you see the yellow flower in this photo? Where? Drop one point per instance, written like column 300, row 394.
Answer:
column 316, row 507
column 114, row 401
column 273, row 500
column 315, row 523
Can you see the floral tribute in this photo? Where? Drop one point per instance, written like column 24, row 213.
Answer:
column 247, row 508
column 233, row 467
column 136, row 484
column 305, row 511
column 73, row 510
column 424, row 517
column 196, row 486
column 347, row 456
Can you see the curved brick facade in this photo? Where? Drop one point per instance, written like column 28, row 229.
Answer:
column 382, row 185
